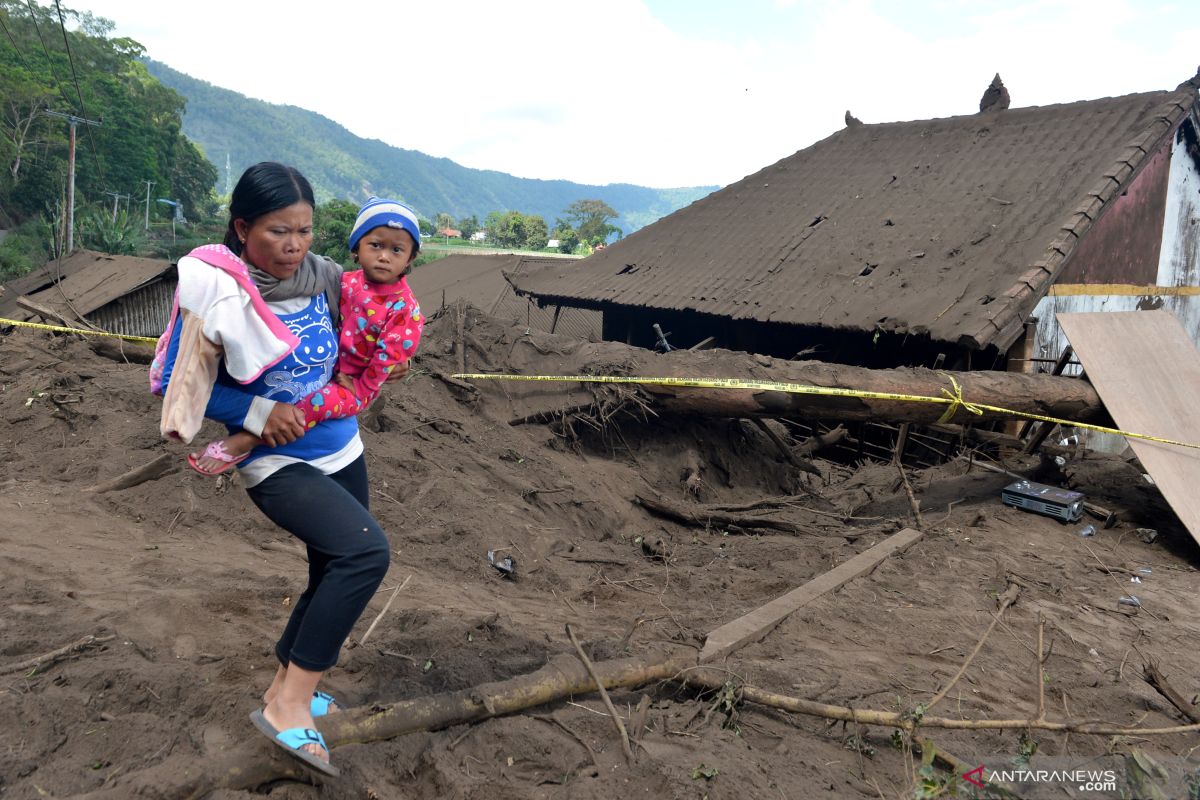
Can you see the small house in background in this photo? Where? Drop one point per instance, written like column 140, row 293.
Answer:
column 118, row 294
column 478, row 236
column 449, row 233
column 483, row 281
column 937, row 241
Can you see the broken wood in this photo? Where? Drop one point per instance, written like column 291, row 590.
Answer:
column 164, row 464
column 707, row 517
column 1157, row 682
column 54, row 655
column 758, row 623
column 52, row 316
column 717, row 681
column 386, row 606
column 455, row 383
column 612, row 712
column 913, row 503
column 120, row 351
column 812, row 445
column 551, row 415
column 258, row 762
column 1004, row 601
column 783, row 447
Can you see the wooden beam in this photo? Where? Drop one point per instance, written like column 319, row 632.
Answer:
column 52, row 316
column 758, row 623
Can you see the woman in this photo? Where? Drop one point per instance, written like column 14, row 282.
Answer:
column 311, row 482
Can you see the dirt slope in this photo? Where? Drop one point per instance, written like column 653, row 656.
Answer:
column 192, row 584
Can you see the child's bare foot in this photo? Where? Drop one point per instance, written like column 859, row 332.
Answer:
column 223, row 453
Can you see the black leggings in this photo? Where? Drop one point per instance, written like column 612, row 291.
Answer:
column 347, row 555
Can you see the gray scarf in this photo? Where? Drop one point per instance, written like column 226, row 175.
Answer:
column 316, row 274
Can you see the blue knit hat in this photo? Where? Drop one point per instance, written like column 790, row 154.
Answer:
column 379, row 213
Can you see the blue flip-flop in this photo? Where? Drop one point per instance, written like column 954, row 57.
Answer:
column 293, row 739
column 320, row 704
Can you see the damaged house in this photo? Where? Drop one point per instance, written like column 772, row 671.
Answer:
column 947, row 241
column 119, row 294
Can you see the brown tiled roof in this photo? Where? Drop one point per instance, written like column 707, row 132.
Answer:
column 951, row 227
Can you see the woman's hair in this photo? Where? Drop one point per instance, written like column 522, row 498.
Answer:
column 265, row 187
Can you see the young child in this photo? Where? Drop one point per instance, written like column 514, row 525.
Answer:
column 381, row 327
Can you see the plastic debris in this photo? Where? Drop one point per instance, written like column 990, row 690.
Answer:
column 1130, row 600
column 507, row 565
column 1087, row 530
column 1147, row 535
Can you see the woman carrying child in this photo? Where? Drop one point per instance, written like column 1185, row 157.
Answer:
column 263, row 307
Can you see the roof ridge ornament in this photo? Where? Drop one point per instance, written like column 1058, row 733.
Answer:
column 995, row 98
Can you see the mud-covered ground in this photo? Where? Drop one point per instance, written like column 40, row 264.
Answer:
column 185, row 585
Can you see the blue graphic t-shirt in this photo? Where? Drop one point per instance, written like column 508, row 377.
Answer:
column 299, row 374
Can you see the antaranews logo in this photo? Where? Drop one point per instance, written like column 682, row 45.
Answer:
column 1085, row 780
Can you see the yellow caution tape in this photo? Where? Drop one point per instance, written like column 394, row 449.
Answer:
column 84, row 331
column 952, row 398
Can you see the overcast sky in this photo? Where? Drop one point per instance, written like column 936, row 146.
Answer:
column 655, row 92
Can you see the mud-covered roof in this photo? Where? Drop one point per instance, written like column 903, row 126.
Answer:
column 948, row 227
column 81, row 283
column 481, row 281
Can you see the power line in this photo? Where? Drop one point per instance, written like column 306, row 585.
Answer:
column 79, row 92
column 46, row 50
column 71, row 59
column 16, row 47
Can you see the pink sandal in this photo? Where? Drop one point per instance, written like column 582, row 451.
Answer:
column 216, row 451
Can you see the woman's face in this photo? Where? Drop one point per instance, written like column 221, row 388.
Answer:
column 277, row 242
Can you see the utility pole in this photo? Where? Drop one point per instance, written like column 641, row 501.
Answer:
column 72, row 120
column 148, row 185
column 116, row 196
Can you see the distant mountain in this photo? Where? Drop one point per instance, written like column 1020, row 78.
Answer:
column 340, row 164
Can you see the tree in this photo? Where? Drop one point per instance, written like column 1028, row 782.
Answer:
column 468, row 226
column 590, row 219
column 568, row 237
column 332, row 222
column 444, row 222
column 141, row 138
column 425, row 227
column 505, row 228
column 536, row 232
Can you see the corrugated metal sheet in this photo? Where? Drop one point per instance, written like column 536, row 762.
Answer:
column 143, row 312
column 950, row 227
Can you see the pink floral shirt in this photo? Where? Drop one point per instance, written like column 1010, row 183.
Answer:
column 381, row 327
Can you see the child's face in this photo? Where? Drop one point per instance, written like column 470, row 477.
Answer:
column 384, row 254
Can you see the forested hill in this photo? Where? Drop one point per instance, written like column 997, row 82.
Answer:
column 343, row 165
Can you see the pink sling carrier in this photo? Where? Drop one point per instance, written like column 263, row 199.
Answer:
column 221, row 257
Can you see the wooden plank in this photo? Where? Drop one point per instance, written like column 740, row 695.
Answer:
column 758, row 623
column 1147, row 371
column 53, row 316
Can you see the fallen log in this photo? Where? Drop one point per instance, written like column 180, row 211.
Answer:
column 1049, row 395
column 260, row 762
